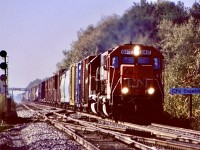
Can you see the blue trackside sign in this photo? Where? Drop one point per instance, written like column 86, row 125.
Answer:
column 185, row 91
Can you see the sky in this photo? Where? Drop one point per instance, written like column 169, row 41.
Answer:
column 35, row 32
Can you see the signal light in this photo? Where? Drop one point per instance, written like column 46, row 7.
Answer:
column 3, row 65
column 3, row 77
column 3, row 53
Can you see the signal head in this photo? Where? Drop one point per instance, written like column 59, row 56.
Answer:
column 3, row 53
column 3, row 77
column 3, row 65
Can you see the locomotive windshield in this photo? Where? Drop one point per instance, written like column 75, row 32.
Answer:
column 128, row 60
column 143, row 60
column 133, row 60
column 115, row 62
column 156, row 63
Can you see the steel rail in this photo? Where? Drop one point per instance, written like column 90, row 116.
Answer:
column 173, row 144
column 76, row 137
column 182, row 138
column 125, row 138
column 122, row 137
column 177, row 128
column 93, row 124
column 28, row 108
column 159, row 134
column 90, row 126
column 76, row 127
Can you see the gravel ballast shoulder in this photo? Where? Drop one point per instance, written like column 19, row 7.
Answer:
column 35, row 136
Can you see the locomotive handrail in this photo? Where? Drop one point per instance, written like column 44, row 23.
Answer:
column 114, row 90
column 113, row 75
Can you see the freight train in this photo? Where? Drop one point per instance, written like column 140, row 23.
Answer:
column 124, row 83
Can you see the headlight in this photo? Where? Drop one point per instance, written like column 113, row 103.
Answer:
column 151, row 91
column 136, row 51
column 125, row 90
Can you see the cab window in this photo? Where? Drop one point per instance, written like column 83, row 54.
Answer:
column 115, row 61
column 156, row 64
column 143, row 60
column 128, row 60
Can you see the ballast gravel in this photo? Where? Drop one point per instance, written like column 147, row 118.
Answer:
column 36, row 136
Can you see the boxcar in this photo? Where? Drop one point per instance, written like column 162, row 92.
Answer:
column 78, row 88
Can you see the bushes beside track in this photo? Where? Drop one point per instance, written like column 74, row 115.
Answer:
column 3, row 107
column 181, row 50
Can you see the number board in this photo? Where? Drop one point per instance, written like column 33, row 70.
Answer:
column 130, row 52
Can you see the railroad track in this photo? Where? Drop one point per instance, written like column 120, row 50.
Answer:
column 110, row 135
column 186, row 135
column 163, row 136
column 90, row 137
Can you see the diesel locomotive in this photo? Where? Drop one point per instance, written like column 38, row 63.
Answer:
column 124, row 83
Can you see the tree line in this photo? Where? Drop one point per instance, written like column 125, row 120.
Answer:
column 139, row 24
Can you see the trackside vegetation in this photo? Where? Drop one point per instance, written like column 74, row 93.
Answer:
column 172, row 28
column 3, row 105
column 3, row 125
column 181, row 46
